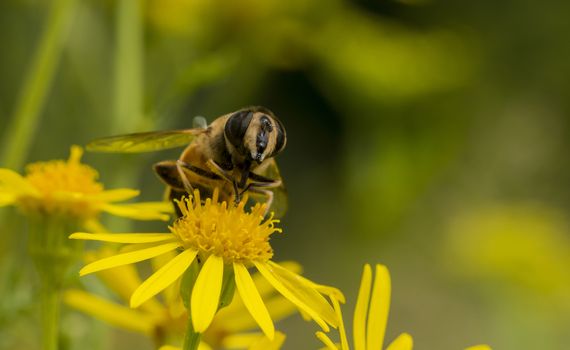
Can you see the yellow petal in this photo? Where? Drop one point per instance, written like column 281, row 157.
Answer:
column 379, row 308
column 6, row 199
column 123, row 280
column 291, row 293
column 117, row 315
column 304, row 290
column 169, row 347
column 264, row 343
column 201, row 346
column 479, row 347
column 204, row 346
column 93, row 225
column 327, row 341
column 115, row 195
column 128, row 258
column 279, row 307
column 133, row 212
column 161, row 206
column 240, row 340
column 162, row 278
column 252, row 300
column 361, row 309
column 235, row 318
column 327, row 290
column 264, row 288
column 75, row 154
column 206, row 293
column 341, row 329
column 172, row 292
column 123, row 237
column 403, row 342
column 171, row 295
column 12, row 182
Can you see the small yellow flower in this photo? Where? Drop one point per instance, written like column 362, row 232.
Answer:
column 70, row 188
column 165, row 322
column 224, row 237
column 370, row 316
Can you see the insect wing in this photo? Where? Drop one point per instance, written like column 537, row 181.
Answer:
column 144, row 141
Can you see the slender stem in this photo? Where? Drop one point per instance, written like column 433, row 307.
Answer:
column 50, row 313
column 191, row 338
column 19, row 133
column 128, row 114
column 52, row 254
column 128, row 100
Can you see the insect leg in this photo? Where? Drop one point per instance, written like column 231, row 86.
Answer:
column 262, row 181
column 267, row 193
column 180, row 168
column 216, row 168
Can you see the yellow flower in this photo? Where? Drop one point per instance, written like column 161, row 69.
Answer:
column 165, row 322
column 70, row 188
column 227, row 241
column 370, row 316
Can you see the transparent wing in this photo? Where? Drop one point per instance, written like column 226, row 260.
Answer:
column 199, row 122
column 280, row 199
column 144, row 141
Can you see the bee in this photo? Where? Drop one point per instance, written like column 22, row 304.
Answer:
column 235, row 154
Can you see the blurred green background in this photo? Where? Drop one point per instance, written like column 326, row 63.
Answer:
column 430, row 136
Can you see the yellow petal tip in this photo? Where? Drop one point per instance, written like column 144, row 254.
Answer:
column 134, row 303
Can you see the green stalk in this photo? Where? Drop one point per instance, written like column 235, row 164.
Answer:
column 128, row 114
column 50, row 314
column 191, row 338
column 128, row 100
column 22, row 128
column 53, row 253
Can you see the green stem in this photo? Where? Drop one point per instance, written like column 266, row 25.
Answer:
column 50, row 312
column 52, row 253
column 128, row 114
column 20, row 132
column 191, row 338
column 128, row 100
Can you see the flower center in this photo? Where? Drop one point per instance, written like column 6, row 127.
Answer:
column 61, row 185
column 227, row 231
column 64, row 176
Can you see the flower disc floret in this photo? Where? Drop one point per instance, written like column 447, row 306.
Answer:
column 69, row 188
column 64, row 176
column 55, row 179
column 227, row 231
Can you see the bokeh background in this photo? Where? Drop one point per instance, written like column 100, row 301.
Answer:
column 428, row 135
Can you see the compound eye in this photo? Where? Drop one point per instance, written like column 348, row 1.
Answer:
column 281, row 139
column 236, row 127
column 265, row 124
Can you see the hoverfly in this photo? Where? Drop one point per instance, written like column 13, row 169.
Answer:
column 235, row 153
